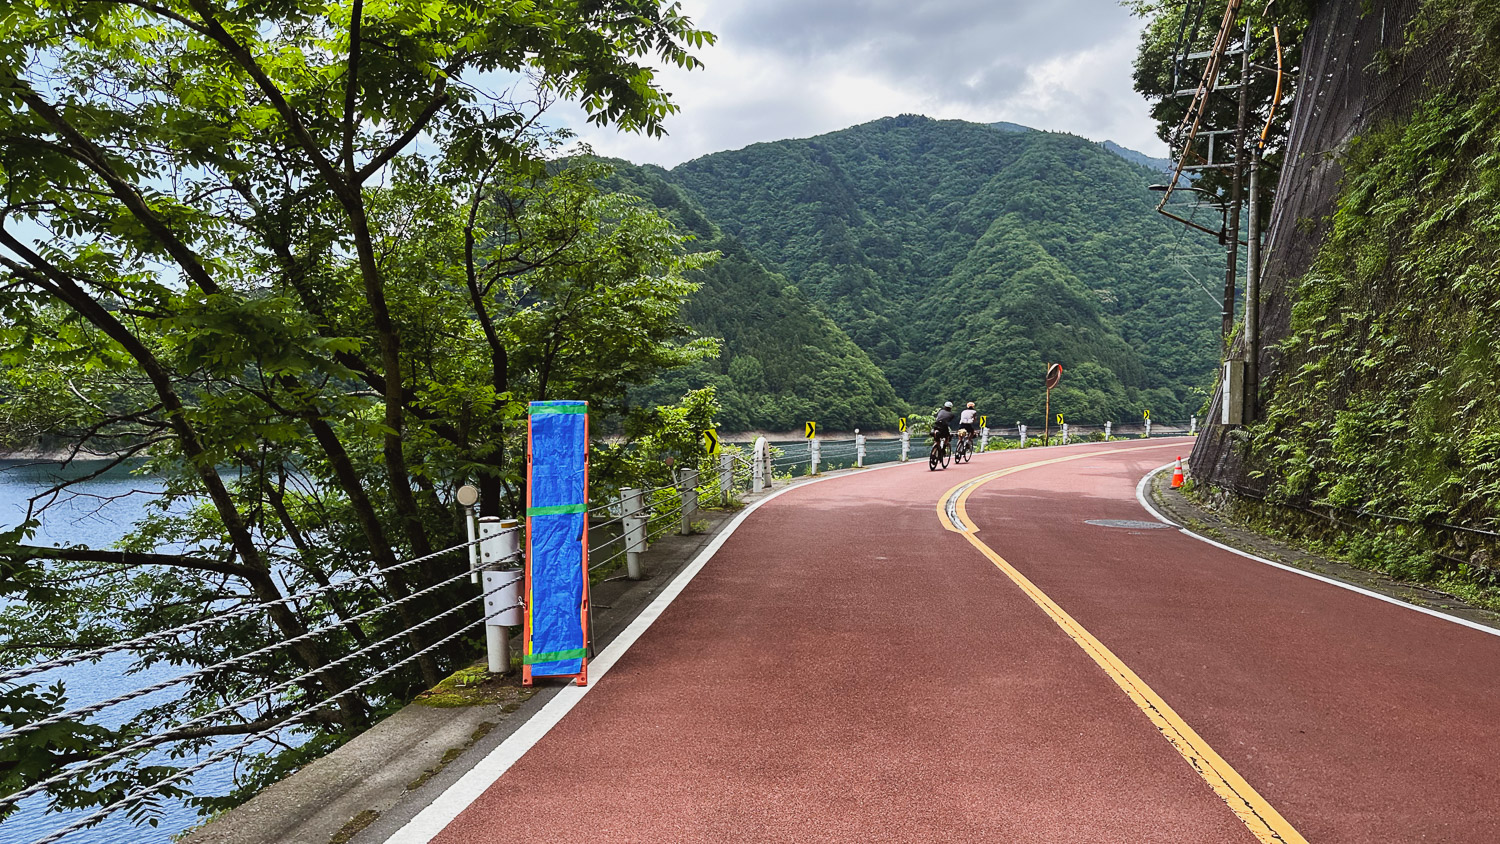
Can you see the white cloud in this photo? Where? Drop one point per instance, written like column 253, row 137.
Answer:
column 789, row 68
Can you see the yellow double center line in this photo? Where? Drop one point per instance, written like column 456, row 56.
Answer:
column 1262, row 820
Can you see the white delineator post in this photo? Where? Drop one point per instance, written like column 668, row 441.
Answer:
column 1022, row 429
column 1107, row 426
column 471, row 524
column 499, row 545
column 1065, row 433
column 760, row 464
column 905, row 446
column 1193, row 426
column 635, row 519
column 859, row 449
column 984, row 439
column 1148, row 427
column 689, row 501
column 814, row 455
column 726, row 476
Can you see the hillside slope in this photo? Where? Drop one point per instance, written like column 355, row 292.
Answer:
column 1380, row 334
column 783, row 361
column 962, row 257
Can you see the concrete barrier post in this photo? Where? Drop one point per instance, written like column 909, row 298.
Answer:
column 633, row 506
column 1193, row 426
column 814, row 455
column 1065, row 433
column 689, row 501
column 905, row 446
column 1148, row 427
column 499, row 548
column 859, row 449
column 1107, row 426
column 984, row 439
column 1022, row 429
column 760, row 465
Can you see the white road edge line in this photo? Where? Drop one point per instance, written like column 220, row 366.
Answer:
column 1140, row 496
column 447, row 806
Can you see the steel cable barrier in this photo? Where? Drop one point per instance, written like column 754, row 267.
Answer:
column 141, row 763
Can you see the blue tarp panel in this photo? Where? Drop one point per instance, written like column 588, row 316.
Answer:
column 556, row 501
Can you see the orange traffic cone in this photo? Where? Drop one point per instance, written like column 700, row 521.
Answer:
column 1177, row 474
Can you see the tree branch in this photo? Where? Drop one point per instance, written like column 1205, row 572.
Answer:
column 27, row 553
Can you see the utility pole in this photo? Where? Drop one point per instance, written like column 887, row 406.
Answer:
column 1236, row 192
column 1252, row 291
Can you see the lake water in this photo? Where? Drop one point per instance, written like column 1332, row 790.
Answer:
column 99, row 512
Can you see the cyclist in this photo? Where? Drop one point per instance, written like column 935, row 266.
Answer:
column 941, row 423
column 968, row 422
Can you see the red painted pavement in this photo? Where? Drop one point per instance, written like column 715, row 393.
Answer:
column 846, row 670
column 1358, row 720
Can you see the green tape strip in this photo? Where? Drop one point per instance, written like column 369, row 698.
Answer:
column 556, row 656
column 556, row 509
column 543, row 410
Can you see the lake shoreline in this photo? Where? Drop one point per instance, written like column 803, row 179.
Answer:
column 53, row 455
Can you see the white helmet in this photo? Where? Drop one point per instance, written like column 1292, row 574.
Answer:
column 948, row 404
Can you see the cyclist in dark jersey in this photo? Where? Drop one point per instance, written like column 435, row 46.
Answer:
column 941, row 423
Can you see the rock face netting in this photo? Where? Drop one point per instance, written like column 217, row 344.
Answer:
column 1345, row 86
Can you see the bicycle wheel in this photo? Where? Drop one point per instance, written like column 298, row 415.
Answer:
column 946, row 457
column 932, row 459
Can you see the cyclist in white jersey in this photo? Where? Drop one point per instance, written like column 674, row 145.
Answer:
column 968, row 421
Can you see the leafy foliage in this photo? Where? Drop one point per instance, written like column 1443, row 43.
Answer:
column 1387, row 399
column 224, row 250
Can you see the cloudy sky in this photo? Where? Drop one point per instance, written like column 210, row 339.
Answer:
column 797, row 68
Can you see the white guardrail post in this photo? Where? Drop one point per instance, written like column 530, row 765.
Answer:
column 1107, row 426
column 1065, row 433
column 689, row 501
column 814, row 455
column 499, row 545
column 1193, row 426
column 726, row 476
column 760, row 465
column 1148, row 427
column 632, row 506
column 859, row 449
column 905, row 446
column 1022, row 430
column 984, row 439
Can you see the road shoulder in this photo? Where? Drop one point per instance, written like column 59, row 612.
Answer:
column 1209, row 524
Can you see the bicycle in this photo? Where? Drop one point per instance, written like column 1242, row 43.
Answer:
column 938, row 456
column 964, row 452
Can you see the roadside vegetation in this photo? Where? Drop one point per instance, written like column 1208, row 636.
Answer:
column 1387, row 413
column 301, row 266
column 1379, row 440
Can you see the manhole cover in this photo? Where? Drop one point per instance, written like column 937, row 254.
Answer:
column 1132, row 524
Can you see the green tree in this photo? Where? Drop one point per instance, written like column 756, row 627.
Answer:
column 225, row 247
column 1177, row 29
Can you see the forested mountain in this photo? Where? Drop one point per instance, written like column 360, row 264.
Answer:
column 962, row 258
column 783, row 361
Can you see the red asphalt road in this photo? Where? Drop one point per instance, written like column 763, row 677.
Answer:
column 845, row 669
